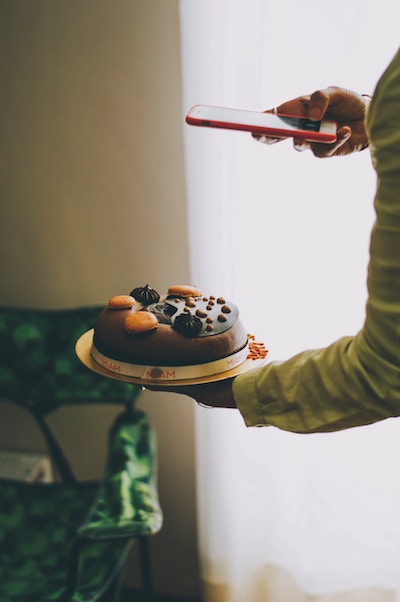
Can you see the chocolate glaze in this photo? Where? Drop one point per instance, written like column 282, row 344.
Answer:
column 163, row 346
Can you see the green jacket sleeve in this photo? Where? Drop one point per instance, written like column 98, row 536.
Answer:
column 356, row 380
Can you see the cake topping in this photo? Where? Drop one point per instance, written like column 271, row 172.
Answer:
column 162, row 311
column 184, row 290
column 140, row 321
column 188, row 324
column 121, row 302
column 257, row 351
column 145, row 295
column 206, row 309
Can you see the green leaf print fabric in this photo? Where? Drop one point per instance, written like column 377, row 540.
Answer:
column 37, row 529
column 38, row 364
column 127, row 503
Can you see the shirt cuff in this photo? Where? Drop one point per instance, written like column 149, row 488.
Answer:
column 245, row 392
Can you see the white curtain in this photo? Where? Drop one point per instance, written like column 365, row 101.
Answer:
column 285, row 517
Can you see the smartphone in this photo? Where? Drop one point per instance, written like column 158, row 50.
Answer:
column 268, row 124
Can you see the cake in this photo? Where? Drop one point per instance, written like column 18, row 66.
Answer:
column 177, row 336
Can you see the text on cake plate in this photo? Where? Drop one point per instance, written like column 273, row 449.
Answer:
column 110, row 365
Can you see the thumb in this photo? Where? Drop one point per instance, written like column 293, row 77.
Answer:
column 318, row 104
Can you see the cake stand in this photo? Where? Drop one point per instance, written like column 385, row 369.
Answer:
column 83, row 350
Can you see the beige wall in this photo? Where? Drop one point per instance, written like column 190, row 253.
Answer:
column 93, row 204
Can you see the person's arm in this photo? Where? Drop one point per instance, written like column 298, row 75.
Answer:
column 356, row 380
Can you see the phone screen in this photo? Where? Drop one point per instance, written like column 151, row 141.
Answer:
column 253, row 118
column 269, row 124
column 299, row 123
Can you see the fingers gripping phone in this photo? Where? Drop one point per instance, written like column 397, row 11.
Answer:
column 267, row 124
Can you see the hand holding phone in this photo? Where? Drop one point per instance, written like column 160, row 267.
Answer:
column 267, row 124
column 341, row 105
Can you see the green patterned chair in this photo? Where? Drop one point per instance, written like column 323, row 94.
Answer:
column 67, row 540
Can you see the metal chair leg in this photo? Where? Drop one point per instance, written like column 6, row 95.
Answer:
column 117, row 591
column 145, row 564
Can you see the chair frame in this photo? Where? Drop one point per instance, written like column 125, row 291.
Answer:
column 66, row 475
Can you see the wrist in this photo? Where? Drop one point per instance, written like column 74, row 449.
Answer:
column 367, row 100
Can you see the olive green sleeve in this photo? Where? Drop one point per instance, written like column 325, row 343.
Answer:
column 356, row 380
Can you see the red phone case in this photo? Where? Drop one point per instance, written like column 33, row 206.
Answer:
column 262, row 130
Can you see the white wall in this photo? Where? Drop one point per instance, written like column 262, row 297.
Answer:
column 93, row 204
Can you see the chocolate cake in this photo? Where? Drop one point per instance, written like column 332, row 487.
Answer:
column 181, row 335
